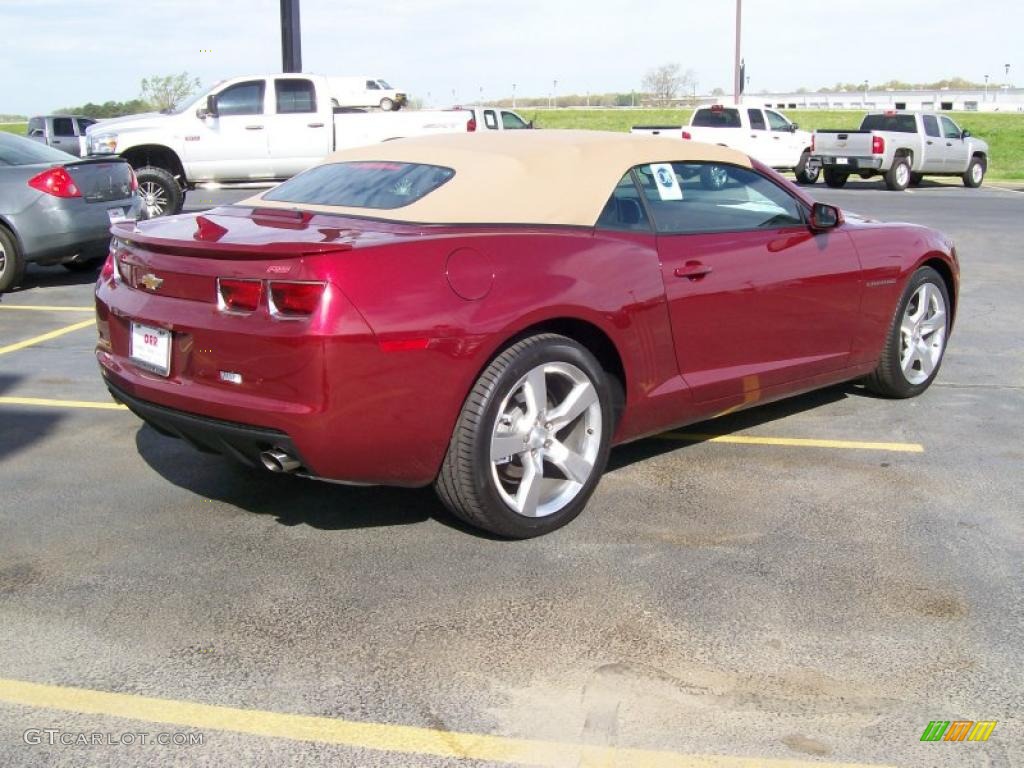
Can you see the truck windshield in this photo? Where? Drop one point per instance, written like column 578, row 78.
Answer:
column 383, row 185
column 716, row 118
column 894, row 123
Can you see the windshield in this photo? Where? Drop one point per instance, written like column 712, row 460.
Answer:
column 192, row 103
column 894, row 123
column 14, row 150
column 362, row 184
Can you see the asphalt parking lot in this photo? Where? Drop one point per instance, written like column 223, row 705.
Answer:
column 813, row 587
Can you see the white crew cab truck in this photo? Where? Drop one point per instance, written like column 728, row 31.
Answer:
column 764, row 134
column 259, row 129
column 902, row 147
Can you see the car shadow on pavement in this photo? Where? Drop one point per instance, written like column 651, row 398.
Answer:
column 291, row 500
column 56, row 276
column 330, row 507
column 20, row 427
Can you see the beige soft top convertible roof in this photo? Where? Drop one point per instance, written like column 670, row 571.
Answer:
column 518, row 177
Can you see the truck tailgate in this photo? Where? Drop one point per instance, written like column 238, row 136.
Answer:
column 855, row 143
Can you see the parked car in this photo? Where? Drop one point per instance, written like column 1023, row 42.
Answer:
column 763, row 134
column 55, row 209
column 903, row 147
column 251, row 129
column 63, row 132
column 365, row 92
column 491, row 313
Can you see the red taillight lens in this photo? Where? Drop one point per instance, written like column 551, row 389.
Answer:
column 295, row 299
column 55, row 181
column 239, row 295
column 108, row 272
column 877, row 145
column 686, row 135
column 471, row 125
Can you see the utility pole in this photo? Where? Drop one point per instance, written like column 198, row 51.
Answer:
column 291, row 37
column 554, row 94
column 737, row 84
column 986, row 87
column 513, row 95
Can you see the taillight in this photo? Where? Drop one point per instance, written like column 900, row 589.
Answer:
column 877, row 145
column 56, row 182
column 135, row 179
column 294, row 300
column 238, row 295
column 108, row 272
column 686, row 135
column 471, row 125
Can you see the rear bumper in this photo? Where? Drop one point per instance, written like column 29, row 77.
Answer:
column 852, row 163
column 53, row 230
column 238, row 441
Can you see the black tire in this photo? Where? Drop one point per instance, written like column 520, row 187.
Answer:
column 82, row 266
column 804, row 176
column 387, row 104
column 12, row 263
column 467, row 484
column 916, row 179
column 888, row 378
column 973, row 177
column 714, row 176
column 897, row 178
column 165, row 195
column 835, row 179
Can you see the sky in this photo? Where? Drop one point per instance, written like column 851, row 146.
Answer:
column 59, row 53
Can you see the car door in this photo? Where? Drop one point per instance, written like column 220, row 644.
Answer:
column 756, row 299
column 63, row 136
column 759, row 144
column 298, row 135
column 231, row 145
column 957, row 150
column 786, row 145
column 933, row 145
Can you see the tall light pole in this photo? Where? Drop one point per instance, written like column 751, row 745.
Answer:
column 291, row 37
column 986, row 87
column 554, row 94
column 736, row 82
column 865, row 93
column 513, row 95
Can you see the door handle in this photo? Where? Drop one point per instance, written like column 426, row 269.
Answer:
column 314, row 125
column 929, row 143
column 693, row 270
column 949, row 143
column 254, row 127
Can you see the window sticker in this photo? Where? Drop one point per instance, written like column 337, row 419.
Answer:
column 666, row 182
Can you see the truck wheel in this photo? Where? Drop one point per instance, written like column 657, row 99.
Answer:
column 975, row 173
column 387, row 104
column 532, row 439
column 159, row 193
column 804, row 175
column 12, row 265
column 915, row 179
column 835, row 179
column 897, row 178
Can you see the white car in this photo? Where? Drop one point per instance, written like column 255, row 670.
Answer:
column 763, row 134
column 259, row 129
column 365, row 92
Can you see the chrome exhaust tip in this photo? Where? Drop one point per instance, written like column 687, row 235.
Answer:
column 279, row 461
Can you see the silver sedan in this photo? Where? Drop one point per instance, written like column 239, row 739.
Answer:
column 58, row 210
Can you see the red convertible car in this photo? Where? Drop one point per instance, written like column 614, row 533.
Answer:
column 491, row 313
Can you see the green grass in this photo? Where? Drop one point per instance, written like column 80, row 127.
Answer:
column 1003, row 132
column 18, row 128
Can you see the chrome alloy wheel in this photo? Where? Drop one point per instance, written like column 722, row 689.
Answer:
column 154, row 198
column 977, row 173
column 3, row 258
column 922, row 334
column 546, row 439
column 903, row 175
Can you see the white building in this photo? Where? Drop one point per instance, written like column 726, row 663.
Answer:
column 995, row 99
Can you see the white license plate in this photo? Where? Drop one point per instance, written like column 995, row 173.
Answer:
column 151, row 348
column 116, row 214
column 842, row 161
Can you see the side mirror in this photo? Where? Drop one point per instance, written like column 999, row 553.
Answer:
column 210, row 110
column 825, row 217
column 965, row 134
column 530, row 124
column 793, row 127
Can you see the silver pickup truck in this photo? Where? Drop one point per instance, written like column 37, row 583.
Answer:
column 903, row 147
column 64, row 132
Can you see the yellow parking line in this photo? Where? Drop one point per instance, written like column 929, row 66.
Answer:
column 378, row 736
column 42, row 308
column 46, row 336
column 796, row 442
column 62, row 403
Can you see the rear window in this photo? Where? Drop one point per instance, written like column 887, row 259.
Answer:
column 894, row 123
column 14, row 150
column 716, row 118
column 364, row 184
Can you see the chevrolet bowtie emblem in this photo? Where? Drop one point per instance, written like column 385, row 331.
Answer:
column 151, row 281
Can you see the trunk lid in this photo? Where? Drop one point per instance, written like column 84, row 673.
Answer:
column 101, row 181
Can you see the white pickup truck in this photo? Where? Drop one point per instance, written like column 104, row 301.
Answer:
column 260, row 129
column 763, row 134
column 903, row 147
